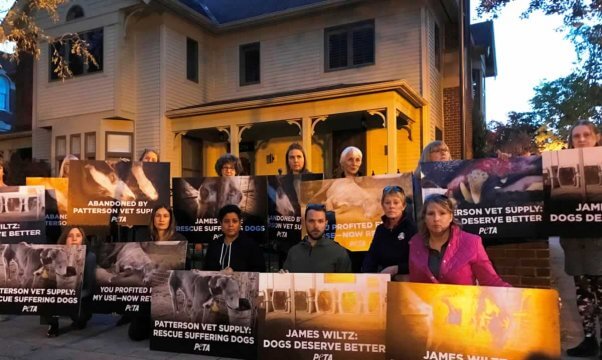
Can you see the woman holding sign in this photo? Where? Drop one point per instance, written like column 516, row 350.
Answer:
column 75, row 236
column 442, row 253
column 295, row 160
column 389, row 249
column 582, row 260
column 228, row 165
column 233, row 251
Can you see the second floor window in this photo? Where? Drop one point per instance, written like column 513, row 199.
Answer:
column 349, row 45
column 5, row 87
column 77, row 65
column 192, row 60
column 249, row 64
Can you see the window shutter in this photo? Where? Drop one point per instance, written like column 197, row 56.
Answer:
column 337, row 46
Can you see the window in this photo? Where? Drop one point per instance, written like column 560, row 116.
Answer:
column 192, row 60
column 437, row 47
column 60, row 150
column 438, row 134
column 90, row 146
column 118, row 145
column 94, row 39
column 75, row 12
column 350, row 45
column 75, row 145
column 5, row 86
column 249, row 64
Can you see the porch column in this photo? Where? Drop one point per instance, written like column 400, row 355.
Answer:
column 306, row 134
column 234, row 140
column 391, row 139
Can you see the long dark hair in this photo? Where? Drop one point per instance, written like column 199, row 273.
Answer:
column 590, row 125
column 63, row 238
column 296, row 146
column 171, row 229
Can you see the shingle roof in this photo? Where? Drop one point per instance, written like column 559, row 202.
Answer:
column 226, row 11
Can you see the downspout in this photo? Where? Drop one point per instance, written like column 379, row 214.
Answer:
column 461, row 23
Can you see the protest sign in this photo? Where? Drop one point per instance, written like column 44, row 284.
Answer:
column 22, row 213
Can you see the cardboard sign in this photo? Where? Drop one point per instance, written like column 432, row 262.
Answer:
column 494, row 198
column 126, row 271
column 434, row 322
column 22, row 213
column 41, row 279
column 323, row 316
column 124, row 193
column 197, row 201
column 205, row 312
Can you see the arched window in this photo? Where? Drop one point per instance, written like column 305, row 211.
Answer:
column 75, row 12
column 5, row 85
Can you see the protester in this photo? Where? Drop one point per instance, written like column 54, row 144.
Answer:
column 315, row 253
column 228, row 165
column 64, row 170
column 2, row 173
column 233, row 251
column 351, row 161
column 389, row 249
column 295, row 160
column 582, row 260
column 149, row 155
column 442, row 253
column 74, row 236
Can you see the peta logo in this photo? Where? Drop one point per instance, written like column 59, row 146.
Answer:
column 30, row 308
column 322, row 357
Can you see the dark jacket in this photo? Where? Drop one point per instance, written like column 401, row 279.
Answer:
column 390, row 246
column 326, row 256
column 242, row 255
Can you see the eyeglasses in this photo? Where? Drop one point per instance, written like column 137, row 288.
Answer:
column 228, row 167
column 319, row 207
column 440, row 150
column 393, row 188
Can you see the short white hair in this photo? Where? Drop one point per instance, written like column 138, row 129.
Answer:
column 350, row 150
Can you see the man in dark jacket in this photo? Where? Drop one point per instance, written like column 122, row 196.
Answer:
column 315, row 253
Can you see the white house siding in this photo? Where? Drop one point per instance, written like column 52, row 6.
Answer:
column 92, row 8
column 148, row 91
column 434, row 94
column 41, row 140
column 292, row 51
column 126, row 81
column 81, row 94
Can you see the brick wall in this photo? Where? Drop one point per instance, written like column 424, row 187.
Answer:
column 451, row 116
column 523, row 265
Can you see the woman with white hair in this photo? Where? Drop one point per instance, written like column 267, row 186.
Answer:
column 351, row 161
column 64, row 170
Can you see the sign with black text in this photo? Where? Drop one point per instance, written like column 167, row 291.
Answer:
column 494, row 198
column 121, row 192
column 573, row 191
column 206, row 312
column 323, row 316
column 197, row 201
column 41, row 279
column 435, row 322
column 125, row 273
column 22, row 213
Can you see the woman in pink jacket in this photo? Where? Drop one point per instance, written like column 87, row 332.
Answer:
column 442, row 253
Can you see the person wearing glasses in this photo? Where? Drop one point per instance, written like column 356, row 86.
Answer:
column 316, row 253
column 442, row 253
column 228, row 165
column 389, row 249
column 233, row 251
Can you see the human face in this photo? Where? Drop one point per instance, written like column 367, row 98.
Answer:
column 66, row 168
column 437, row 219
column 440, row 153
column 351, row 164
column 150, row 156
column 162, row 219
column 583, row 136
column 315, row 224
column 296, row 160
column 231, row 225
column 393, row 206
column 74, row 237
column 229, row 169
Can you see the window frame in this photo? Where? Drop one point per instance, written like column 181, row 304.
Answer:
column 192, row 77
column 72, row 139
column 59, row 158
column 348, row 30
column 242, row 51
column 89, row 155
column 119, row 155
column 66, row 53
column 6, row 107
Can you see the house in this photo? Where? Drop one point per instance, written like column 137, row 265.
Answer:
column 197, row 78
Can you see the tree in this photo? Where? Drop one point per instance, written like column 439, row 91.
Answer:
column 514, row 136
column 20, row 28
column 582, row 21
